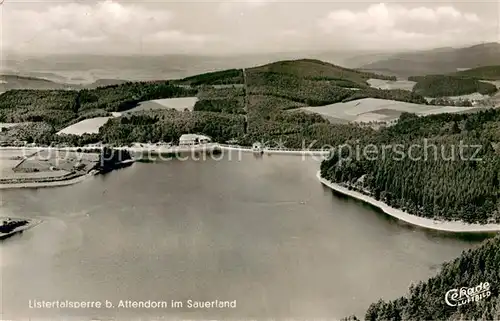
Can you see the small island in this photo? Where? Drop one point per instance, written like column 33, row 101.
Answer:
column 11, row 226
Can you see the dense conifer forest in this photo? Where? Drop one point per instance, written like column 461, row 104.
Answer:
column 225, row 77
column 445, row 85
column 62, row 107
column 426, row 300
column 485, row 73
column 169, row 125
column 443, row 166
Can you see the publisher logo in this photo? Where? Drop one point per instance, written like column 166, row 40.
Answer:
column 462, row 296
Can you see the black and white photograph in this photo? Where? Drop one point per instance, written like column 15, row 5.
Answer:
column 298, row 160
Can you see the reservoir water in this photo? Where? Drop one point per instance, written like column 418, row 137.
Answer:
column 259, row 230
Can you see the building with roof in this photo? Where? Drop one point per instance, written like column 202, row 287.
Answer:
column 193, row 139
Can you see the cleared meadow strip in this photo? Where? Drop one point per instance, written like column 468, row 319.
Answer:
column 389, row 84
column 367, row 110
column 168, row 103
column 87, row 126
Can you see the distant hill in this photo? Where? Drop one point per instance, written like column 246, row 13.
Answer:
column 8, row 82
column 224, row 77
column 105, row 82
column 11, row 82
column 355, row 61
column 318, row 83
column 485, row 73
column 438, row 61
column 318, row 70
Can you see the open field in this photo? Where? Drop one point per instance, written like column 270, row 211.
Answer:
column 174, row 103
column 376, row 110
column 9, row 125
column 389, row 84
column 11, row 158
column 89, row 126
column 447, row 109
column 493, row 82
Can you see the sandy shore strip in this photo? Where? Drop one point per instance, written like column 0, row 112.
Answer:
column 49, row 184
column 446, row 226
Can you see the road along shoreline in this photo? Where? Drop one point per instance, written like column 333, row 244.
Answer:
column 444, row 226
column 55, row 183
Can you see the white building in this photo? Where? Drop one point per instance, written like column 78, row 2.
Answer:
column 193, row 139
column 257, row 148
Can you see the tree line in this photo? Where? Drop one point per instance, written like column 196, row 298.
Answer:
column 426, row 300
column 62, row 107
column 446, row 85
column 452, row 174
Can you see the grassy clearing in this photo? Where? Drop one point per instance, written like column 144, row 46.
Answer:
column 390, row 84
column 87, row 126
column 372, row 109
column 168, row 103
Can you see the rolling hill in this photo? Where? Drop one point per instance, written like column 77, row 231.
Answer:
column 8, row 82
column 13, row 82
column 317, row 70
column 261, row 96
column 445, row 85
column 317, row 83
column 438, row 61
column 224, row 77
column 485, row 73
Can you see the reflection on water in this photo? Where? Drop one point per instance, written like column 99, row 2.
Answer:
column 262, row 231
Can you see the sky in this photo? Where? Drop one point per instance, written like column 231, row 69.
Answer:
column 206, row 27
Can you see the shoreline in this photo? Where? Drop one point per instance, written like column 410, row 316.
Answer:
column 186, row 149
column 270, row 151
column 53, row 181
column 67, row 182
column 443, row 226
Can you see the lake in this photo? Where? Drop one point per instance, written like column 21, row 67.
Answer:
column 259, row 230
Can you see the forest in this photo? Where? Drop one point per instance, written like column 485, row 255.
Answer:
column 229, row 106
column 438, row 179
column 445, row 85
column 168, row 125
column 313, row 92
column 271, row 90
column 60, row 108
column 485, row 73
column 442, row 166
column 225, row 77
column 314, row 69
column 426, row 300
column 443, row 101
column 390, row 94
